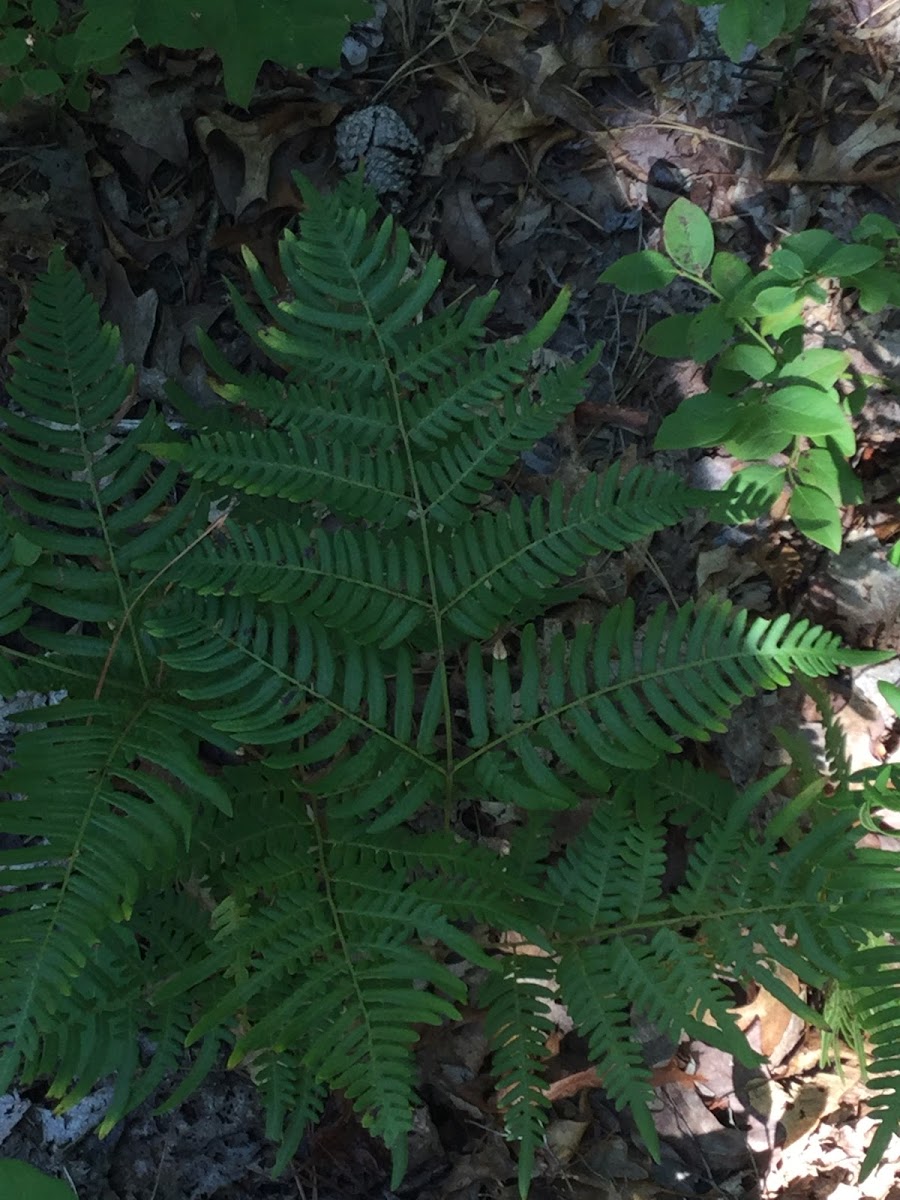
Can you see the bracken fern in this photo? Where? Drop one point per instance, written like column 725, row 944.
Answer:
column 329, row 633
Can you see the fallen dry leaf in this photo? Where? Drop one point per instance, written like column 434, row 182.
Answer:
column 148, row 108
column 564, row 1137
column 134, row 315
column 489, row 123
column 816, row 1098
column 779, row 1028
column 240, row 152
column 842, row 162
column 469, row 245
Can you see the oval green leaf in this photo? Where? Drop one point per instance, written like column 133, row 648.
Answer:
column 766, row 18
column 821, row 365
column 668, row 338
column 728, row 273
column 810, row 412
column 753, row 360
column 702, row 420
column 637, row 274
column 787, row 265
column 813, row 246
column 774, row 300
column 849, row 260
column 734, row 28
column 11, row 92
column 877, row 287
column 13, row 47
column 709, row 332
column 759, row 431
column 876, row 228
column 41, row 81
column 816, row 514
column 44, row 13
column 777, row 324
column 825, row 468
column 689, row 236
column 748, row 494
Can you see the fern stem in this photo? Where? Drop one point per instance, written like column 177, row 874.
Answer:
column 126, row 618
column 422, row 521
column 325, row 877
column 681, row 920
column 89, row 465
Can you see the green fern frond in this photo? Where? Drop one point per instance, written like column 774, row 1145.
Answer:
column 684, row 993
column 109, row 1017
column 332, row 634
column 277, row 682
column 517, row 1025
column 610, row 701
column 465, row 879
column 733, row 870
column 456, row 475
column 601, row 1013
column 288, row 466
column 224, row 848
column 369, row 588
column 301, row 406
column 103, row 1035
column 106, row 830
column 876, row 975
column 14, row 609
column 456, row 400
column 428, row 349
column 87, row 496
column 501, row 564
column 338, row 326
column 292, row 1099
column 13, row 589
column 326, row 972
column 612, row 874
column 716, row 863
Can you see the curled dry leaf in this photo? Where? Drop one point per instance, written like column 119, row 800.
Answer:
column 490, row 123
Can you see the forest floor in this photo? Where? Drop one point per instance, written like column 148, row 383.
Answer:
column 548, row 139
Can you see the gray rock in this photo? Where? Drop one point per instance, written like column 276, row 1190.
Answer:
column 12, row 1109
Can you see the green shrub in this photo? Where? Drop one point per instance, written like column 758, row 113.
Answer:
column 312, row 586
column 46, row 49
column 768, row 393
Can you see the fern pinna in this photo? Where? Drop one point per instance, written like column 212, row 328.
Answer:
column 312, row 584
